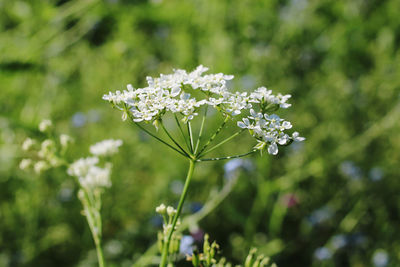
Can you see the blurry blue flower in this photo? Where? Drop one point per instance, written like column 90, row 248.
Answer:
column 186, row 246
column 162, row 33
column 231, row 167
column 321, row 215
column 195, row 207
column 357, row 239
column 322, row 253
column 339, row 241
column 380, row 258
column 176, row 187
column 156, row 221
column 376, row 174
column 78, row 119
column 349, row 169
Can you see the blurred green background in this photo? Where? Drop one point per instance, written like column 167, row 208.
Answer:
column 331, row 201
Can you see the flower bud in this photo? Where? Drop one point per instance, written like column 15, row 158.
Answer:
column 171, row 211
column 161, row 209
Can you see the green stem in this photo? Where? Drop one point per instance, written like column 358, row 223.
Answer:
column 221, row 143
column 214, row 135
column 100, row 256
column 164, row 256
column 201, row 131
column 172, row 139
column 229, row 157
column 94, row 226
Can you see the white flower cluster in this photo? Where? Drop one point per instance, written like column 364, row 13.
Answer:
column 268, row 129
column 173, row 93
column 45, row 154
column 170, row 93
column 106, row 147
column 89, row 174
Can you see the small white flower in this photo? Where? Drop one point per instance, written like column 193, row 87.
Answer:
column 283, row 139
column 25, row 163
column 27, row 144
column 297, row 138
column 45, row 125
column 286, row 125
column 65, row 140
column 96, row 177
column 40, row 166
column 245, row 124
column 175, row 91
column 89, row 175
column 106, row 147
column 81, row 166
column 273, row 149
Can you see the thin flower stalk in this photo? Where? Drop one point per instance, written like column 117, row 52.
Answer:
column 159, row 139
column 181, row 131
column 214, row 135
column 173, row 140
column 221, row 143
column 229, row 157
column 189, row 128
column 201, row 130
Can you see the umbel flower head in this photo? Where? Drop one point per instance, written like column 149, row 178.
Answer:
column 184, row 93
column 90, row 175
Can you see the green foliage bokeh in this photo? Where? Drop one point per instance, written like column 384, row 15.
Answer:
column 339, row 190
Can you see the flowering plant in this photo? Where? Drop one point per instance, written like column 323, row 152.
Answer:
column 185, row 95
column 92, row 173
